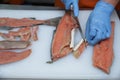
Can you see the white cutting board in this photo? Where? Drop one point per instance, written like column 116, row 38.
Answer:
column 35, row 65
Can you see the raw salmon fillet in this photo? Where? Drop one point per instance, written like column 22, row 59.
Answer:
column 9, row 56
column 103, row 53
column 34, row 31
column 62, row 37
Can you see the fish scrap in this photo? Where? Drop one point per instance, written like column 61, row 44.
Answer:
column 23, row 34
column 20, row 39
column 11, row 41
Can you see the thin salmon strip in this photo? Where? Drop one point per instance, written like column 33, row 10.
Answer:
column 10, row 45
column 13, row 22
column 62, row 37
column 103, row 53
column 34, row 35
column 9, row 56
column 23, row 34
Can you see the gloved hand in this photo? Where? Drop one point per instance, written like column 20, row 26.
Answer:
column 98, row 26
column 68, row 3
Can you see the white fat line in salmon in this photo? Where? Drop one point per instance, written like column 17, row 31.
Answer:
column 72, row 38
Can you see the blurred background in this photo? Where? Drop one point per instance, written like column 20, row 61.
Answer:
column 48, row 3
column 29, row 2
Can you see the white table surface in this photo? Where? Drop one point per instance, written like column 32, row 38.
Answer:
column 35, row 65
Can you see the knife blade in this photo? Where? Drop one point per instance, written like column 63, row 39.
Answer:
column 80, row 29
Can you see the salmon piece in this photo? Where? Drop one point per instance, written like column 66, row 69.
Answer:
column 79, row 51
column 24, row 34
column 34, row 35
column 103, row 53
column 7, row 36
column 12, row 22
column 8, row 45
column 62, row 37
column 9, row 56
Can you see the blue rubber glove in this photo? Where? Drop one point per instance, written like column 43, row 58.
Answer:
column 68, row 3
column 98, row 26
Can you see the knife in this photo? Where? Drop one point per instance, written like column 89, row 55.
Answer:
column 80, row 29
